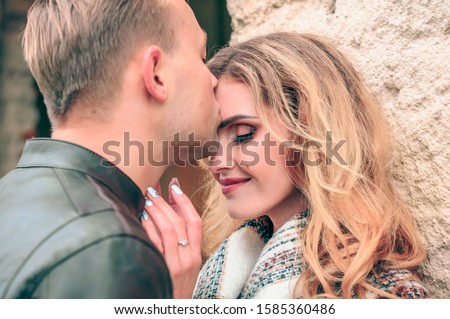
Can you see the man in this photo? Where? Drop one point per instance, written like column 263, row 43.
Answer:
column 119, row 78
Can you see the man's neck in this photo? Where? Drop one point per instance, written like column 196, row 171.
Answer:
column 128, row 153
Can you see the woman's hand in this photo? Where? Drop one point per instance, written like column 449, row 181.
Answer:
column 176, row 230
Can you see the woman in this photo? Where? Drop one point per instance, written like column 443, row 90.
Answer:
column 301, row 202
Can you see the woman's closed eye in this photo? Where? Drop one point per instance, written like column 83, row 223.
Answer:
column 243, row 133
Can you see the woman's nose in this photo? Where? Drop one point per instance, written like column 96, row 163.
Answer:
column 221, row 160
column 214, row 81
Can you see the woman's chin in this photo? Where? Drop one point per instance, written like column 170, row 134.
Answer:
column 241, row 214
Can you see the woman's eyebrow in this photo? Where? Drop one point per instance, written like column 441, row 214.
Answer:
column 233, row 119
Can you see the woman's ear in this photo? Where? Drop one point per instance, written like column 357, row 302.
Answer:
column 152, row 73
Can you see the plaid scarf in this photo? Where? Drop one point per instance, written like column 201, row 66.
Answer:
column 254, row 263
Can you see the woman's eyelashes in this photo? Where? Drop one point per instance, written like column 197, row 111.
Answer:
column 243, row 133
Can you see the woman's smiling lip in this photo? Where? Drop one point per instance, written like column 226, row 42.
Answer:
column 231, row 184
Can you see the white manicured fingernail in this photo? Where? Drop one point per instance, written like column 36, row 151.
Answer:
column 148, row 203
column 176, row 189
column 175, row 181
column 144, row 215
column 152, row 192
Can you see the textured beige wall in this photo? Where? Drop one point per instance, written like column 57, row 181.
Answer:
column 402, row 49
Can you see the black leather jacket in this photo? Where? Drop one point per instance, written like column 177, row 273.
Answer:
column 69, row 228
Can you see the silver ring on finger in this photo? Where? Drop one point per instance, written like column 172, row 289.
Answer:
column 183, row 243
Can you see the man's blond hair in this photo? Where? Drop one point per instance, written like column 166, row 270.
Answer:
column 77, row 49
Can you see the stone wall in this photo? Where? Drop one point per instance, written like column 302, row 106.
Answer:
column 402, row 49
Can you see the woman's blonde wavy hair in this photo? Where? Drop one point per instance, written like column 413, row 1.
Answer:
column 358, row 224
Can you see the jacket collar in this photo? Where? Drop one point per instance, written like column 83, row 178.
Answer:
column 46, row 152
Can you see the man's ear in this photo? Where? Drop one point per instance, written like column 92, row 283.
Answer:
column 153, row 73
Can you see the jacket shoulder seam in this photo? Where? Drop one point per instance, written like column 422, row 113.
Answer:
column 46, row 271
column 37, row 246
column 64, row 184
